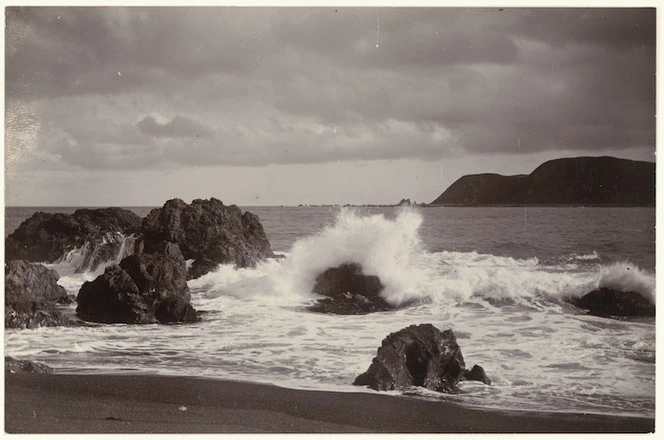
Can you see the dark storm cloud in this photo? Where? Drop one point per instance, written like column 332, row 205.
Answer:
column 299, row 85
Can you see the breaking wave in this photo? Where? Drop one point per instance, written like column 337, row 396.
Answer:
column 627, row 277
column 391, row 248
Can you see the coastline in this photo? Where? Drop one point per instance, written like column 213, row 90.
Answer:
column 68, row 403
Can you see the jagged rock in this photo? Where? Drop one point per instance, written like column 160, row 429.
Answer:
column 419, row 355
column 144, row 288
column 608, row 302
column 349, row 291
column 31, row 292
column 208, row 232
column 404, row 202
column 47, row 237
column 476, row 373
column 13, row 366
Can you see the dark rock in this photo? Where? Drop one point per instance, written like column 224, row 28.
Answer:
column 144, row 288
column 13, row 366
column 476, row 373
column 47, row 237
column 419, row 355
column 350, row 304
column 347, row 278
column 31, row 293
column 349, row 291
column 208, row 232
column 607, row 302
column 568, row 181
column 404, row 202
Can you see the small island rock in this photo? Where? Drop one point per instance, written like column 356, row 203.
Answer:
column 349, row 291
column 419, row 355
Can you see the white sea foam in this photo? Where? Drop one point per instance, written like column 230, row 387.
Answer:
column 585, row 257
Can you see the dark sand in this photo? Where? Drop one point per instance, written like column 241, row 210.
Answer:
column 54, row 403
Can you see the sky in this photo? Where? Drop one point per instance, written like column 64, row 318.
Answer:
column 111, row 106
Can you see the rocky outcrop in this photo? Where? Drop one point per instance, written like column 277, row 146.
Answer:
column 404, row 202
column 422, row 356
column 208, row 232
column 47, row 237
column 608, row 302
column 568, row 181
column 31, row 293
column 348, row 291
column 143, row 288
column 13, row 366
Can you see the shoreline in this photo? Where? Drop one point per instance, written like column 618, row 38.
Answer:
column 103, row 403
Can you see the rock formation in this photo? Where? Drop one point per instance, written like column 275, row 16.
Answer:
column 419, row 355
column 208, row 232
column 348, row 291
column 568, row 181
column 608, row 302
column 143, row 288
column 47, row 237
column 31, row 293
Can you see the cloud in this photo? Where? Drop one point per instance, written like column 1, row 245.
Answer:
column 256, row 86
column 179, row 126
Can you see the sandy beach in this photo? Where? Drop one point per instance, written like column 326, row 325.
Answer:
column 58, row 403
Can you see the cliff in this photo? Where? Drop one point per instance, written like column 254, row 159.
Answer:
column 568, row 181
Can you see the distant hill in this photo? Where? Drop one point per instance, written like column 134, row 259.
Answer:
column 569, row 181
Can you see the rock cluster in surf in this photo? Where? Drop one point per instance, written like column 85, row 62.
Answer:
column 608, row 302
column 31, row 294
column 348, row 291
column 421, row 356
column 151, row 284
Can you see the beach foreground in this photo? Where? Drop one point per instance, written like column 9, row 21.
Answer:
column 58, row 403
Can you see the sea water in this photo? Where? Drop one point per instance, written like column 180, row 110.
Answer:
column 498, row 277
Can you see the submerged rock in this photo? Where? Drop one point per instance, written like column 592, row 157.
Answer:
column 47, row 237
column 349, row 291
column 419, row 355
column 144, row 288
column 13, row 366
column 209, row 233
column 608, row 302
column 31, row 293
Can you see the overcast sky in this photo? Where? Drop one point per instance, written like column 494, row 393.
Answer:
column 270, row 106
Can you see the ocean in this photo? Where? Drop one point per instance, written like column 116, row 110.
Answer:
column 496, row 276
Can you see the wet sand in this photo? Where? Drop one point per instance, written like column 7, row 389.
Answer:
column 58, row 403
